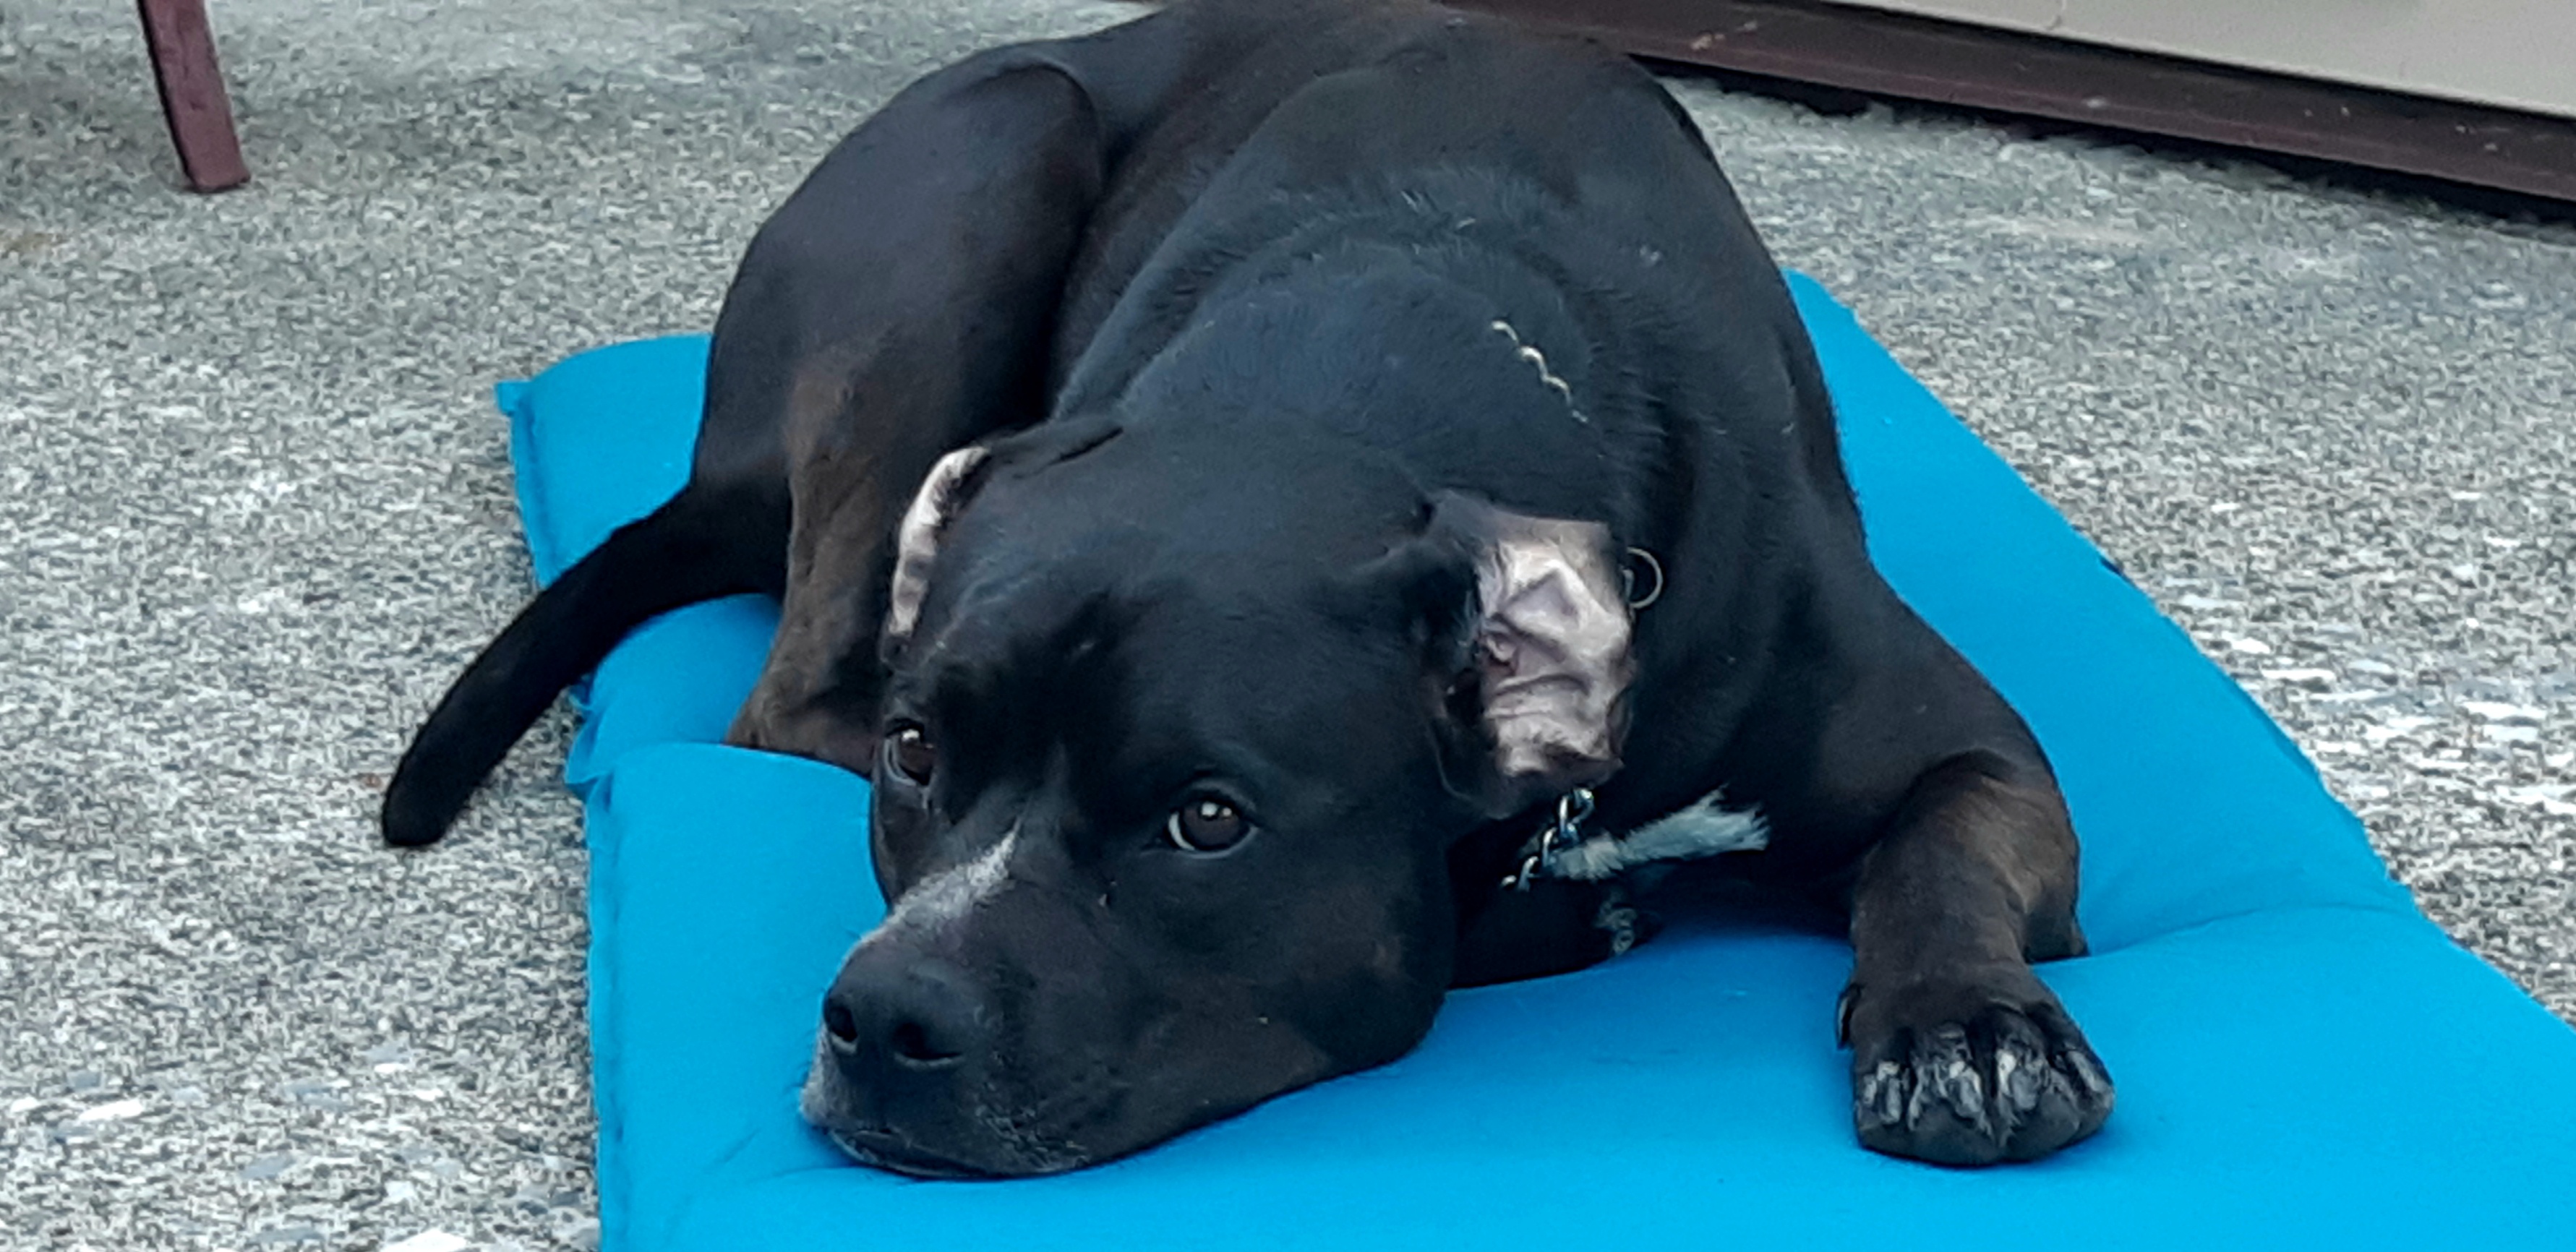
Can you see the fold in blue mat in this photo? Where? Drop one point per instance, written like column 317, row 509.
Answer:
column 2303, row 1060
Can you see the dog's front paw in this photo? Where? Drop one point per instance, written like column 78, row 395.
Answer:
column 1970, row 1068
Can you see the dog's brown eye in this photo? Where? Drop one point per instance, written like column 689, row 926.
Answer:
column 1206, row 824
column 909, row 751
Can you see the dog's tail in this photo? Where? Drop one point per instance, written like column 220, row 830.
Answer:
column 692, row 549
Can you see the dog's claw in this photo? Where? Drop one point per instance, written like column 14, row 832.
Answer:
column 2091, row 1082
column 1944, row 1056
column 1957, row 1074
column 2019, row 1082
column 1880, row 1094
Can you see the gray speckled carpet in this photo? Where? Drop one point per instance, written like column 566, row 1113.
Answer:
column 255, row 512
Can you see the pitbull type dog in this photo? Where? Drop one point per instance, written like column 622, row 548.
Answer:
column 1235, row 481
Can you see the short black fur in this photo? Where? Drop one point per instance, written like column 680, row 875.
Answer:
column 1237, row 300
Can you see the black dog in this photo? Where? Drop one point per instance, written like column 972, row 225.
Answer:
column 1235, row 480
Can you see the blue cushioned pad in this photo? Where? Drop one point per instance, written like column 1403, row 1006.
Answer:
column 2303, row 1061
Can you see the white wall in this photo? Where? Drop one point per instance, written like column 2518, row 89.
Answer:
column 2514, row 53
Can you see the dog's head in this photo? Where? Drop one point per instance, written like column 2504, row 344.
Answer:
column 1170, row 770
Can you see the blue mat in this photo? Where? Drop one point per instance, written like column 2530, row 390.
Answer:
column 2303, row 1060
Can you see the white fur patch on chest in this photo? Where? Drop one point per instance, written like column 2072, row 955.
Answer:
column 1706, row 827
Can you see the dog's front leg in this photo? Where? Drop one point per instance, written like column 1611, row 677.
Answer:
column 1960, row 1055
column 894, row 309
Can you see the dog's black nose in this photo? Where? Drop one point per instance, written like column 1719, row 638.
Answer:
column 916, row 1015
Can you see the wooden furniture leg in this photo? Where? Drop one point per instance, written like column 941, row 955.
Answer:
column 192, row 93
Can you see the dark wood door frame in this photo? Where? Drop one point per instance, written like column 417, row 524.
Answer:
column 1918, row 58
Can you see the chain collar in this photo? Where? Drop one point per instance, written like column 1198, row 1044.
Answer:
column 1572, row 810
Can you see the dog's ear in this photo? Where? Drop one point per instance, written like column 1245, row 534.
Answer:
column 925, row 523
column 945, row 492
column 1527, row 628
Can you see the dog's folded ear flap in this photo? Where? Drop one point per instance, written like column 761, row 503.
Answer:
column 1538, row 662
column 925, row 522
column 945, row 492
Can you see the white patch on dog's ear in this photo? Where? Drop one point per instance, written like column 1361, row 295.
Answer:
column 1551, row 648
column 917, row 539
